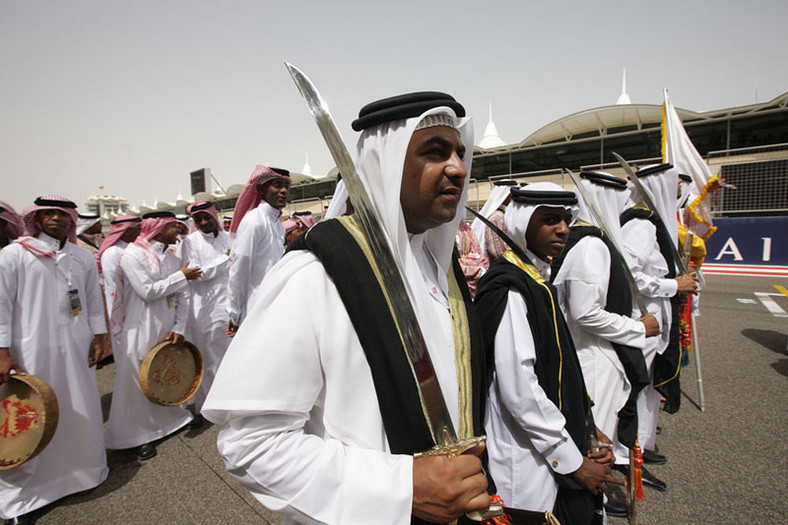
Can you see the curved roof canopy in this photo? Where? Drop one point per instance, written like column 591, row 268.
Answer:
column 605, row 120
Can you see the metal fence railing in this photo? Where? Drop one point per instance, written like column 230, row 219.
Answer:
column 760, row 176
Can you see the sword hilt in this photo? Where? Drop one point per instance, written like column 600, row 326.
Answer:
column 451, row 448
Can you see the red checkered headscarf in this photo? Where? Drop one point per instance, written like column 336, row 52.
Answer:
column 250, row 196
column 50, row 202
column 13, row 222
column 204, row 207
column 151, row 227
column 120, row 225
column 305, row 218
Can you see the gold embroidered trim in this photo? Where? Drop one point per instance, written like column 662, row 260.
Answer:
column 534, row 274
column 462, row 355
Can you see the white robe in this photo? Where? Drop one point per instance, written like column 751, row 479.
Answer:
column 154, row 306
column 649, row 269
column 208, row 313
column 310, row 442
column 259, row 244
column 582, row 284
column 526, row 438
column 110, row 269
column 45, row 339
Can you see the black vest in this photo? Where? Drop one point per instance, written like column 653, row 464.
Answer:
column 667, row 366
column 345, row 262
column 618, row 301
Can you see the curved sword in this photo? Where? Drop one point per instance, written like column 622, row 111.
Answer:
column 438, row 415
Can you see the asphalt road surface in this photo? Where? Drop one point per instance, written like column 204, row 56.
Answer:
column 726, row 465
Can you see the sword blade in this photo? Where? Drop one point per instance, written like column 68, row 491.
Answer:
column 441, row 426
column 633, row 287
column 648, row 202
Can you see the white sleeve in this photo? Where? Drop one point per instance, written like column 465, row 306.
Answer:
column 240, row 271
column 269, row 387
column 585, row 278
column 9, row 280
column 584, row 307
column 520, row 392
column 95, row 300
column 315, row 479
column 142, row 283
column 640, row 239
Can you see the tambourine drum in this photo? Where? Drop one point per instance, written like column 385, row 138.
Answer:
column 171, row 373
column 28, row 419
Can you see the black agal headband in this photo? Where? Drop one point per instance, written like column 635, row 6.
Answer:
column 158, row 215
column 51, row 202
column 547, row 198
column 604, row 179
column 403, row 107
column 653, row 170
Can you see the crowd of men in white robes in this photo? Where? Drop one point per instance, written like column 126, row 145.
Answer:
column 70, row 298
column 316, row 441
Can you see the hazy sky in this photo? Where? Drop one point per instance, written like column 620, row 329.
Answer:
column 133, row 95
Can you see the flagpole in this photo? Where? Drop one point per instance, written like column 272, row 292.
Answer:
column 696, row 349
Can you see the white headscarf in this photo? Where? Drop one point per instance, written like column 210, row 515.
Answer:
column 380, row 160
column 662, row 188
column 85, row 222
column 338, row 205
column 609, row 203
column 497, row 197
column 518, row 215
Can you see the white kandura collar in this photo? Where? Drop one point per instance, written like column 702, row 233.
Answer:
column 50, row 241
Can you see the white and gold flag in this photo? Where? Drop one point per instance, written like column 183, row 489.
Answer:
column 677, row 149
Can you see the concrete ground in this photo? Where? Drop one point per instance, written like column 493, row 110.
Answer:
column 726, row 465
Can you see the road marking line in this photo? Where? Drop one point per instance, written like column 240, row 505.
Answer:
column 746, row 301
column 770, row 305
column 782, row 289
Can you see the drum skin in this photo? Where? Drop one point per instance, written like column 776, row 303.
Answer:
column 28, row 419
column 171, row 373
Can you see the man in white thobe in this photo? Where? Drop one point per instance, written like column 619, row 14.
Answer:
column 52, row 325
column 208, row 248
column 124, row 230
column 302, row 419
column 646, row 242
column 259, row 238
column 589, row 272
column 154, row 307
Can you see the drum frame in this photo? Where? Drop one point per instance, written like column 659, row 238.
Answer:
column 148, row 361
column 50, row 416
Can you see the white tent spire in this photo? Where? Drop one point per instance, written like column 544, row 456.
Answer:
column 491, row 139
column 623, row 98
column 307, row 169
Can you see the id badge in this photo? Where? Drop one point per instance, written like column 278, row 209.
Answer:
column 172, row 300
column 74, row 302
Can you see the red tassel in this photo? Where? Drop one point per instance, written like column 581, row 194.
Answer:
column 638, row 461
column 503, row 519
